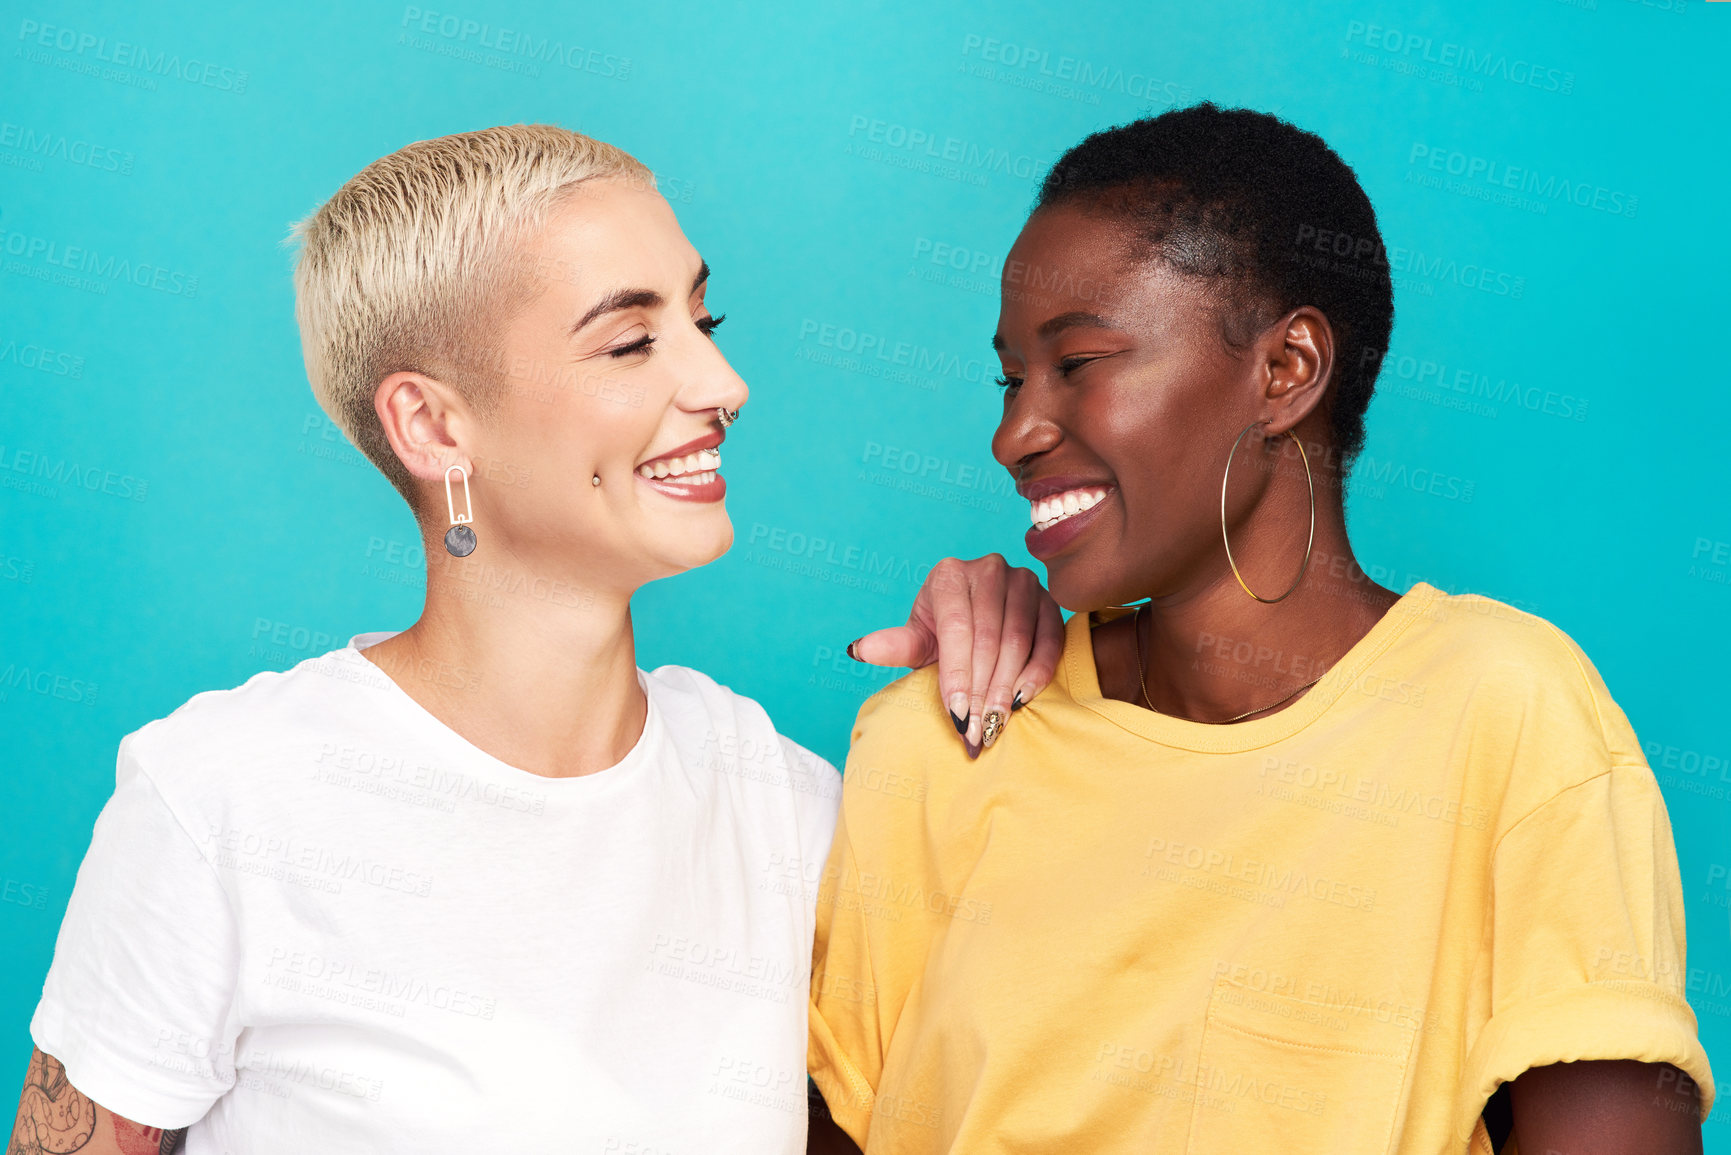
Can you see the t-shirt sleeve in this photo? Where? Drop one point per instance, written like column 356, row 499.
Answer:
column 817, row 791
column 138, row 1002
column 846, row 1038
column 869, row 951
column 1586, row 959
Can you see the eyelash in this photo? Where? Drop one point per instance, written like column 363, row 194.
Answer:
column 1065, row 367
column 707, row 324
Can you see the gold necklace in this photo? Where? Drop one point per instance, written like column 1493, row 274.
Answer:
column 1141, row 664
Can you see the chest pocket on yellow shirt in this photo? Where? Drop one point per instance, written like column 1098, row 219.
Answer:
column 1277, row 1074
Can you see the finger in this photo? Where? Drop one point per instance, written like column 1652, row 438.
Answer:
column 952, row 625
column 896, row 646
column 990, row 588
column 1048, row 650
column 1016, row 642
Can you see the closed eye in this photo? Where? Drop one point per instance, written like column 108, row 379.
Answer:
column 1070, row 364
column 641, row 345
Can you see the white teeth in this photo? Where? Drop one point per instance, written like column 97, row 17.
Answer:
column 696, row 468
column 1049, row 511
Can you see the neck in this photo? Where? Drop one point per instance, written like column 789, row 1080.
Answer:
column 540, row 674
column 1213, row 653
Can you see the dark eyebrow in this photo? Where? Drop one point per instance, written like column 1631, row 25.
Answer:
column 1064, row 321
column 1058, row 324
column 621, row 299
column 617, row 300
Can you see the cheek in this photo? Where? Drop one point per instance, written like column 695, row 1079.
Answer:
column 1158, row 440
column 602, row 421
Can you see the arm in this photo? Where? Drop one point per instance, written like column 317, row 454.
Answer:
column 994, row 632
column 822, row 1136
column 1608, row 1107
column 54, row 1119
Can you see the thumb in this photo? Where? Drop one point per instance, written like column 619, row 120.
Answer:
column 897, row 646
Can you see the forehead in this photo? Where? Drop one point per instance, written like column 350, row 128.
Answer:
column 610, row 227
column 1068, row 259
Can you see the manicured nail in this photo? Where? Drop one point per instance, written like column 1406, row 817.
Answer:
column 1018, row 703
column 959, row 717
column 991, row 726
column 973, row 735
column 851, row 652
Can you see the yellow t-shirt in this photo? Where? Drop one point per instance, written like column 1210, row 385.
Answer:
column 1337, row 928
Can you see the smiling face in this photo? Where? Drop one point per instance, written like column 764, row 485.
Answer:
column 1122, row 400
column 610, row 372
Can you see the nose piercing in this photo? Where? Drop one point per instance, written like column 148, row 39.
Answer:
column 726, row 416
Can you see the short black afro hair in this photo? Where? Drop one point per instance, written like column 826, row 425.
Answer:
column 1262, row 208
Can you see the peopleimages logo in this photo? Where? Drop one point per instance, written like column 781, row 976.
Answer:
column 463, row 32
column 88, row 46
column 1473, row 174
column 1466, row 59
column 927, row 145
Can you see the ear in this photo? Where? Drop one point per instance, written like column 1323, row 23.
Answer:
column 427, row 423
column 1298, row 363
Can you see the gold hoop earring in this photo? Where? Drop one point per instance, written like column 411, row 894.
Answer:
column 1308, row 480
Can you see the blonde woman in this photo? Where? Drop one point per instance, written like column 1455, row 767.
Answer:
column 483, row 884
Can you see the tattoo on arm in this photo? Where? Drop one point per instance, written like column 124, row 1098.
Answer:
column 136, row 1139
column 53, row 1118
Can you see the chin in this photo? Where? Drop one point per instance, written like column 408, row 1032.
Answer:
column 1070, row 591
column 1080, row 591
column 699, row 546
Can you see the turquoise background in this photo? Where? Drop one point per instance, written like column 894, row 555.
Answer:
column 208, row 522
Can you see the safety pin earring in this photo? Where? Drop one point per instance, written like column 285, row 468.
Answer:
column 460, row 538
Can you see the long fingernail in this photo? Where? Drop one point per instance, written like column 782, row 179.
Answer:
column 973, row 735
column 991, row 726
column 959, row 717
column 850, row 649
column 1018, row 703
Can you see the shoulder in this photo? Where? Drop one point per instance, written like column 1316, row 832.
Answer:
column 240, row 717
column 716, row 722
column 904, row 748
column 216, row 733
column 1510, row 641
column 692, row 700
column 907, row 710
column 1529, row 672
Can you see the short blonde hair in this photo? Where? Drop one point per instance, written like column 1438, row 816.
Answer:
column 418, row 258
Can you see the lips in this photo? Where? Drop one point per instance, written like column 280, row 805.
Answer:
column 689, row 472
column 710, row 440
column 1046, row 512
column 1062, row 509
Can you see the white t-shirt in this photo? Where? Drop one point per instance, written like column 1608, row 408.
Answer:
column 314, row 918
